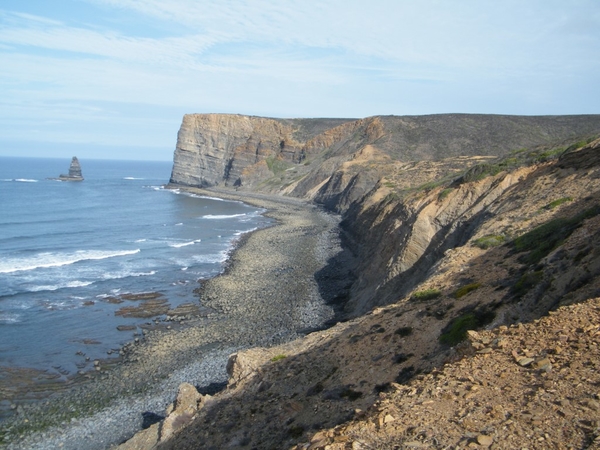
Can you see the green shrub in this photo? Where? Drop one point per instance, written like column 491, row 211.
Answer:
column 464, row 290
column 404, row 331
column 351, row 394
column 456, row 331
column 278, row 358
column 296, row 432
column 491, row 240
column 527, row 281
column 558, row 202
column 427, row 294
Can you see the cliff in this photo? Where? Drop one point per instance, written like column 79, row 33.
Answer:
column 496, row 247
column 450, row 223
column 336, row 161
column 384, row 175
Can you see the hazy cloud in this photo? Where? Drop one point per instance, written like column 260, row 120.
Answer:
column 313, row 58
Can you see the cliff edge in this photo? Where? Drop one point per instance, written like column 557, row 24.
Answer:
column 451, row 224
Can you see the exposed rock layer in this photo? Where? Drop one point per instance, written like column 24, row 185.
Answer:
column 331, row 160
column 518, row 382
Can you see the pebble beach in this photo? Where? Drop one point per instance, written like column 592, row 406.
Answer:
column 266, row 295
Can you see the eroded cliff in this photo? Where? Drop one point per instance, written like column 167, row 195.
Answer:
column 497, row 247
column 336, row 161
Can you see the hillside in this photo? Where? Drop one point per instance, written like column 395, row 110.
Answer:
column 435, row 244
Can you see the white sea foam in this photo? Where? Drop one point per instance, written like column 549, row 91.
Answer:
column 133, row 178
column 213, row 258
column 221, row 216
column 55, row 287
column 10, row 318
column 184, row 244
column 25, row 180
column 240, row 233
column 48, row 259
column 127, row 274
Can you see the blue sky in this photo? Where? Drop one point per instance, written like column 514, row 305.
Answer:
column 113, row 78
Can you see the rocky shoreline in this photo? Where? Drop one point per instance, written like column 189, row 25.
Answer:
column 267, row 295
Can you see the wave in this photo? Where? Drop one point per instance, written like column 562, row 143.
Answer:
column 10, row 318
column 240, row 233
column 221, row 216
column 213, row 258
column 70, row 284
column 20, row 180
column 133, row 178
column 118, row 276
column 184, row 244
column 48, row 259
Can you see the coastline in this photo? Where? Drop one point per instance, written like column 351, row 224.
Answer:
column 267, row 295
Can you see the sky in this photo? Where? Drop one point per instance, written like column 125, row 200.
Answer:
column 112, row 79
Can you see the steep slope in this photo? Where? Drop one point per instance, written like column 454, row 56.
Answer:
column 498, row 246
column 330, row 160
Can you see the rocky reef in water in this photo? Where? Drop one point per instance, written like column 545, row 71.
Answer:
column 74, row 172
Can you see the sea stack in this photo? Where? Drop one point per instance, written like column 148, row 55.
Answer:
column 74, row 171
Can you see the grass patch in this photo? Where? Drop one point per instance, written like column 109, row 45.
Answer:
column 540, row 241
column 278, row 358
column 445, row 193
column 427, row 294
column 558, row 202
column 464, row 290
column 276, row 165
column 489, row 241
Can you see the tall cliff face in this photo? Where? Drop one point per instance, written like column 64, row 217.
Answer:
column 410, row 189
column 234, row 150
column 336, row 161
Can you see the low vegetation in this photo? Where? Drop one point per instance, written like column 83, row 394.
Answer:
column 558, row 202
column 464, row 290
column 427, row 294
column 540, row 241
column 527, row 282
column 456, row 331
column 488, row 241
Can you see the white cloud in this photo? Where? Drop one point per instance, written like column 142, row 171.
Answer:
column 310, row 58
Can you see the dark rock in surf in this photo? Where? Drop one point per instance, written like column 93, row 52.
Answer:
column 74, row 171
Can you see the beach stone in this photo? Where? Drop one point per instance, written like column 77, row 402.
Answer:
column 484, row 440
column 525, row 361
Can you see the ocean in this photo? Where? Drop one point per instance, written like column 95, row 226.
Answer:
column 78, row 258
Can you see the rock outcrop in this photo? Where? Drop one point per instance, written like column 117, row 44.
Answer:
column 495, row 249
column 336, row 161
column 74, row 172
column 451, row 224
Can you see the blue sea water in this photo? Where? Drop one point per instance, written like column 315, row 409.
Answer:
column 66, row 248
